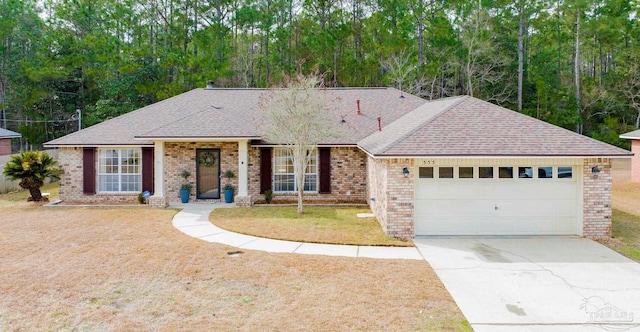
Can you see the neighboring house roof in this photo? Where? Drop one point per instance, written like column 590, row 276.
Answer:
column 235, row 113
column 4, row 133
column 631, row 135
column 467, row 126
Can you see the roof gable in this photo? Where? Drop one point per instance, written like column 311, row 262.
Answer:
column 235, row 113
column 472, row 127
column 4, row 133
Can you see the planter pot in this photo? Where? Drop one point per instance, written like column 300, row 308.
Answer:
column 228, row 196
column 184, row 195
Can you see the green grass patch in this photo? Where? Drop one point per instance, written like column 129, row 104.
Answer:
column 626, row 234
column 319, row 224
column 52, row 188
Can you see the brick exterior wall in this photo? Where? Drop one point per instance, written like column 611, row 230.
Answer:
column 597, row 198
column 5, row 146
column 348, row 176
column 71, row 184
column 635, row 161
column 181, row 156
column 393, row 195
column 377, row 189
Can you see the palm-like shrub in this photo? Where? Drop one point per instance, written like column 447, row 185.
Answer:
column 32, row 168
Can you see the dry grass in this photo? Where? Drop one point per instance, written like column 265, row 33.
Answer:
column 129, row 269
column 626, row 213
column 625, row 194
column 319, row 224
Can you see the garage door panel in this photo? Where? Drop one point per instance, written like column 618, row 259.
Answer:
column 451, row 208
column 504, row 190
column 496, row 207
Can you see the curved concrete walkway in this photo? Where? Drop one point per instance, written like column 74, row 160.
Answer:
column 193, row 220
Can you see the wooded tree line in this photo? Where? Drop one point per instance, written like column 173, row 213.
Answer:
column 574, row 63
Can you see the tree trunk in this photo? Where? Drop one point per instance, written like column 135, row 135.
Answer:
column 36, row 194
column 34, row 190
column 520, row 55
column 300, row 166
column 577, row 73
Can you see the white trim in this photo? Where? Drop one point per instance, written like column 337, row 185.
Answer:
column 197, row 139
column 579, row 176
column 495, row 157
column 295, row 184
column 158, row 169
column 243, row 168
column 120, row 174
column 317, row 146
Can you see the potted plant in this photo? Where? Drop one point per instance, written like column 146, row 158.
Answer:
column 185, row 188
column 228, row 188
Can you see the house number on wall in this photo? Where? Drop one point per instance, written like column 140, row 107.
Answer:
column 428, row 162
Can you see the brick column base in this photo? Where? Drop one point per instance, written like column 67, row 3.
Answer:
column 158, row 201
column 243, row 201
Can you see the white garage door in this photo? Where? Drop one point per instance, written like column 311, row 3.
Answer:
column 497, row 200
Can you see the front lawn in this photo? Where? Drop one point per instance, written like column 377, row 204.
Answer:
column 319, row 224
column 115, row 269
column 52, row 188
column 626, row 234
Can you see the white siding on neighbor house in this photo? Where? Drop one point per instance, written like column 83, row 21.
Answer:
column 5, row 184
column 499, row 206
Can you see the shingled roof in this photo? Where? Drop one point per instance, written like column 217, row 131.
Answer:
column 411, row 126
column 467, row 126
column 631, row 135
column 234, row 113
column 4, row 133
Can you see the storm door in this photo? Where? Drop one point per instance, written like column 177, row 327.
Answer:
column 208, row 173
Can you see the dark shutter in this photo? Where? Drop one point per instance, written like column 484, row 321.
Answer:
column 89, row 170
column 325, row 170
column 265, row 169
column 147, row 169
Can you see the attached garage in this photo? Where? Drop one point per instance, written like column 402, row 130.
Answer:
column 498, row 197
column 465, row 167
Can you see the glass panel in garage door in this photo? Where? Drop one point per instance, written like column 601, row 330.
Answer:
column 425, row 172
column 565, row 172
column 505, row 172
column 545, row 172
column 445, row 172
column 485, row 172
column 465, row 172
column 525, row 172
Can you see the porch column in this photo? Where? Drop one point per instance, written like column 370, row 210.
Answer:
column 243, row 168
column 158, row 199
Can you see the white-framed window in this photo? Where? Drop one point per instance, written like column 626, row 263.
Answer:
column 284, row 176
column 119, row 170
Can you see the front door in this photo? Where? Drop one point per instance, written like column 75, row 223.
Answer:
column 208, row 173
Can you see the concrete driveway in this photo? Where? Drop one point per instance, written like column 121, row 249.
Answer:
column 537, row 284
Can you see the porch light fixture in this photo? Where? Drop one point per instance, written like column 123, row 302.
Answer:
column 595, row 170
column 405, row 172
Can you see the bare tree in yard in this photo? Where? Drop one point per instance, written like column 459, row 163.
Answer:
column 484, row 66
column 398, row 69
column 629, row 83
column 298, row 116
